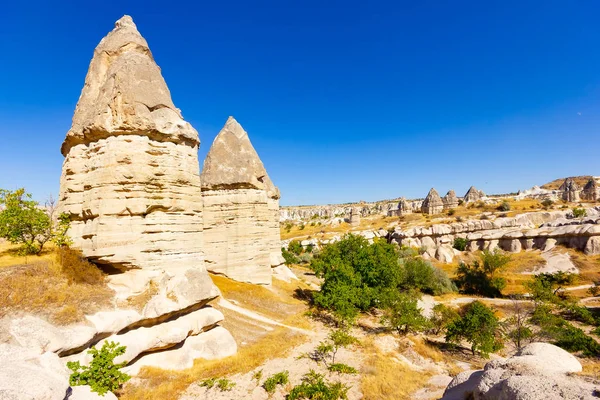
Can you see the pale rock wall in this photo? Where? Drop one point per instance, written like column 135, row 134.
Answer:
column 241, row 234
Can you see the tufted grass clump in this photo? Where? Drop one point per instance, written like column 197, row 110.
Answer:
column 280, row 378
column 342, row 368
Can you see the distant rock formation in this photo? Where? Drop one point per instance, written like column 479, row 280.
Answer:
column 131, row 186
column 433, row 203
column 590, row 191
column 570, row 190
column 241, row 209
column 355, row 217
column 404, row 207
column 472, row 195
column 541, row 371
column 450, row 200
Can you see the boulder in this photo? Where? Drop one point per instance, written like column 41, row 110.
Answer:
column 592, row 246
column 541, row 371
column 241, row 209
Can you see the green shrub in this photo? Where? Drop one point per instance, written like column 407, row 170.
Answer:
column 289, row 257
column 441, row 317
column 280, row 378
column 302, row 226
column 342, row 368
column 208, row 383
column 504, row 206
column 579, row 212
column 225, row 385
column 547, row 203
column 477, row 325
column 257, row 376
column 451, row 212
column 295, row 247
column 23, row 222
column 102, row 375
column 460, row 244
column 288, row 226
column 402, row 314
column 480, row 277
column 420, row 274
column 314, row 386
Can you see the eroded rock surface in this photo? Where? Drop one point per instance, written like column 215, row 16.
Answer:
column 540, row 372
column 433, row 203
column 241, row 209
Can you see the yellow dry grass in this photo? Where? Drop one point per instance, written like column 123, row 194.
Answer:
column 555, row 184
column 591, row 368
column 158, row 384
column 59, row 291
column 589, row 266
column 423, row 348
column 383, row 378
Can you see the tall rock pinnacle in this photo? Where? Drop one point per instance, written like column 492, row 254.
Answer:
column 241, row 209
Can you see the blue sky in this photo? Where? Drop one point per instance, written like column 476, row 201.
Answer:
column 343, row 100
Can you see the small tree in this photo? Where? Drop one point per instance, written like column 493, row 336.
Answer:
column 442, row 317
column 504, row 206
column 516, row 327
column 102, row 375
column 482, row 276
column 59, row 236
column 547, row 203
column 402, row 314
column 327, row 350
column 23, row 222
column 479, row 326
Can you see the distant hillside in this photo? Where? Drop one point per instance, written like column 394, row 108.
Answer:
column 555, row 184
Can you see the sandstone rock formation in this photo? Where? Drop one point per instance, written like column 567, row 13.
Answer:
column 433, row 203
column 541, row 230
column 131, row 186
column 404, row 207
column 450, row 200
column 355, row 217
column 541, row 371
column 472, row 195
column 241, row 209
column 590, row 191
column 570, row 190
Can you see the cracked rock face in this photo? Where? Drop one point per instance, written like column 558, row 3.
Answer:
column 130, row 179
column 241, row 209
column 433, row 203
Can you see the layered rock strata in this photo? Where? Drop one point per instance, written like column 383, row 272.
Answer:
column 433, row 203
column 130, row 184
column 241, row 209
column 541, row 230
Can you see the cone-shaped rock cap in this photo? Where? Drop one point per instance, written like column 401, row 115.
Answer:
column 433, row 199
column 569, row 185
column 125, row 94
column 232, row 163
column 590, row 185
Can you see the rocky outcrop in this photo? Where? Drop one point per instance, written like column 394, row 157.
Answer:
column 590, row 191
column 472, row 195
column 570, row 190
column 131, row 186
column 541, row 371
column 433, row 203
column 541, row 230
column 355, row 217
column 241, row 209
column 404, row 207
column 450, row 200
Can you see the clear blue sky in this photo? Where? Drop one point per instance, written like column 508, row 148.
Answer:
column 343, row 100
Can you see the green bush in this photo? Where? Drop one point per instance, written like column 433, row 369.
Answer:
column 280, row 378
column 295, row 247
column 481, row 277
column 342, row 368
column 314, row 386
column 451, row 212
column 441, row 317
column 402, row 314
column 504, row 206
column 289, row 257
column 225, row 385
column 420, row 274
column 460, row 244
column 102, row 375
column 579, row 212
column 477, row 325
column 547, row 203
column 23, row 222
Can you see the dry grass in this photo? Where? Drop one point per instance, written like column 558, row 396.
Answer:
column 591, row 368
column 589, row 266
column 383, row 378
column 425, row 349
column 61, row 292
column 158, row 384
column 275, row 301
column 139, row 301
